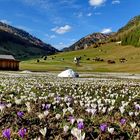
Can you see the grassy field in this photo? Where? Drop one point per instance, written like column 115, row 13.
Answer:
column 40, row 106
column 110, row 51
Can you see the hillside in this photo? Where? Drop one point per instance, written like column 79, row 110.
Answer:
column 21, row 44
column 93, row 40
column 130, row 33
column 110, row 51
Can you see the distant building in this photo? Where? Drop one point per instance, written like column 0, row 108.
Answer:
column 8, row 62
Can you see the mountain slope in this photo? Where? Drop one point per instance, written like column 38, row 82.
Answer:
column 93, row 40
column 134, row 22
column 130, row 33
column 21, row 44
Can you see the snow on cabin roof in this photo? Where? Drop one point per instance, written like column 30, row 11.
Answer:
column 10, row 57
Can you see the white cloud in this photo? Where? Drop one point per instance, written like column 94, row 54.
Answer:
column 96, row 2
column 106, row 30
column 89, row 14
column 5, row 21
column 62, row 29
column 116, row 2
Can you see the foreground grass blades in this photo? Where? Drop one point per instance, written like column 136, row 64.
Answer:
column 41, row 106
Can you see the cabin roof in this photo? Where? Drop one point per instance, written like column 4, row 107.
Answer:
column 8, row 57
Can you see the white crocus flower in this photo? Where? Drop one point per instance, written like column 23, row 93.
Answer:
column 43, row 105
column 122, row 109
column 133, row 124
column 110, row 130
column 136, row 113
column 68, row 104
column 72, row 121
column 64, row 111
column 66, row 128
column 9, row 105
column 104, row 109
column 61, row 105
column 2, row 107
column 57, row 116
column 78, row 134
column 99, row 108
column 70, row 110
column 11, row 95
column 18, row 101
column 75, row 101
column 81, row 103
column 88, row 110
column 43, row 131
column 111, row 108
column 28, row 106
column 93, row 105
column 113, row 102
column 131, row 113
column 46, row 113
column 37, row 138
column 41, row 116
column 93, row 111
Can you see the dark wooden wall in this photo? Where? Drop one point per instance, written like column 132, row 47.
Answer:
column 9, row 65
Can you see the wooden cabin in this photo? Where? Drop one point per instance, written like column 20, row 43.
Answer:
column 8, row 62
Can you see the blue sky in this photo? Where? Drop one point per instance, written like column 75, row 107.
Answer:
column 62, row 22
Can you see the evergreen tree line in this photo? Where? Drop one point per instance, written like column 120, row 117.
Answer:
column 132, row 38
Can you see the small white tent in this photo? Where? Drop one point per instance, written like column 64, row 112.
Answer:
column 68, row 73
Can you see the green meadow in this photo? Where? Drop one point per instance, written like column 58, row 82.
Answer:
column 64, row 60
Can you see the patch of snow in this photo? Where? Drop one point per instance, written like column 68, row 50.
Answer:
column 68, row 73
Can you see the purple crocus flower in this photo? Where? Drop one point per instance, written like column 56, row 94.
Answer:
column 2, row 106
column 103, row 127
column 80, row 125
column 6, row 133
column 58, row 98
column 137, row 107
column 47, row 106
column 123, row 121
column 20, row 114
column 22, row 132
